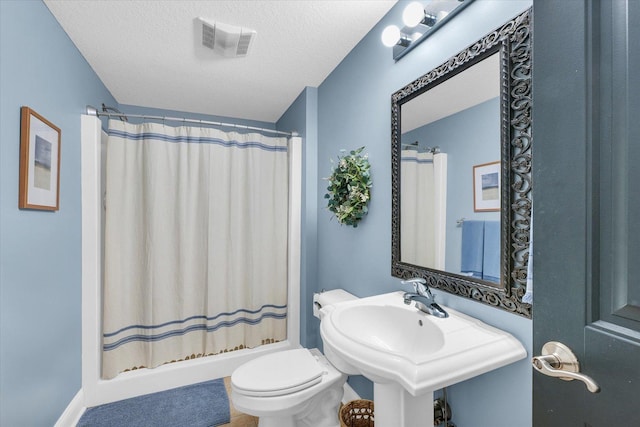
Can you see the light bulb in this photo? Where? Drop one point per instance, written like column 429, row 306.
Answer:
column 413, row 14
column 390, row 36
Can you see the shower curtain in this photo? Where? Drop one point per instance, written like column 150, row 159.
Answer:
column 195, row 244
column 423, row 208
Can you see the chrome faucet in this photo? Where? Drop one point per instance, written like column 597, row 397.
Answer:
column 424, row 299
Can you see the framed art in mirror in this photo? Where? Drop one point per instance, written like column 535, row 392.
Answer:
column 486, row 187
column 506, row 184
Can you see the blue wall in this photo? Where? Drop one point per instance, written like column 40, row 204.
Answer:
column 40, row 252
column 159, row 112
column 354, row 109
column 302, row 117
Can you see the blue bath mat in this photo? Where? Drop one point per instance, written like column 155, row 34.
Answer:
column 198, row 405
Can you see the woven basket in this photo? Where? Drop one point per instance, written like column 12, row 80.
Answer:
column 357, row 413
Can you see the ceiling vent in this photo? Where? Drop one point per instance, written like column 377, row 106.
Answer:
column 228, row 40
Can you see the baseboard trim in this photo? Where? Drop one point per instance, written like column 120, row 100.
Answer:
column 73, row 411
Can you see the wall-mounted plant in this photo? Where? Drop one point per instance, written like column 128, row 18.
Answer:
column 349, row 189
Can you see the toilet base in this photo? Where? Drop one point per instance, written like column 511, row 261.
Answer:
column 321, row 411
column 275, row 421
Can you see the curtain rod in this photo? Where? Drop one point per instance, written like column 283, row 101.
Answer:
column 92, row 111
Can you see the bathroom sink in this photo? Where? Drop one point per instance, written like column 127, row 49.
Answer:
column 389, row 342
column 391, row 329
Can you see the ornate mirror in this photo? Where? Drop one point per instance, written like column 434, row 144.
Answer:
column 461, row 171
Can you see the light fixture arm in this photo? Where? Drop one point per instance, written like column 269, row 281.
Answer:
column 429, row 20
column 404, row 40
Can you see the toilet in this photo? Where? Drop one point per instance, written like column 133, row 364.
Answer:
column 292, row 388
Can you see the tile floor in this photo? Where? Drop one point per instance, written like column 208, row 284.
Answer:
column 238, row 419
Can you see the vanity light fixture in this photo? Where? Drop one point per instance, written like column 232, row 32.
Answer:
column 420, row 20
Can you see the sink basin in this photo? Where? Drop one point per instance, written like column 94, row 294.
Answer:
column 391, row 329
column 409, row 354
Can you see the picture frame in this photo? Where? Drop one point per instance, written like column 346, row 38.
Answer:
column 486, row 187
column 39, row 186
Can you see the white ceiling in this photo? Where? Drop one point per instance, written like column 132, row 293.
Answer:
column 149, row 53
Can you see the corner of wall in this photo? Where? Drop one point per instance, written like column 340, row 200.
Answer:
column 302, row 117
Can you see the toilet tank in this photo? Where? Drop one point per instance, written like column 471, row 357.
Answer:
column 325, row 298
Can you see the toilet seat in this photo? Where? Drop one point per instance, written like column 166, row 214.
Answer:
column 278, row 374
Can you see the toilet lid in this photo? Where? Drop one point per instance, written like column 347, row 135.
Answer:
column 278, row 373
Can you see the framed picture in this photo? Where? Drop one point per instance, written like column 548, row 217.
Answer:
column 486, row 187
column 39, row 162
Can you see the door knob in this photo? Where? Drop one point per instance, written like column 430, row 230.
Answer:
column 557, row 360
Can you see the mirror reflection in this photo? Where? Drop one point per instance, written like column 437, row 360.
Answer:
column 450, row 175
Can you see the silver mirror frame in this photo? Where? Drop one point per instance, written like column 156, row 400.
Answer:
column 513, row 41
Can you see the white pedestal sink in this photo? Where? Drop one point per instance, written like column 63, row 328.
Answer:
column 409, row 354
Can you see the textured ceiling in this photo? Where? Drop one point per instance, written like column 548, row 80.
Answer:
column 149, row 53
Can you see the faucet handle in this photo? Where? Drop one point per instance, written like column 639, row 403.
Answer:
column 419, row 285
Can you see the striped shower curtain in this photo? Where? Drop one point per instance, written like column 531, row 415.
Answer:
column 423, row 208
column 195, row 243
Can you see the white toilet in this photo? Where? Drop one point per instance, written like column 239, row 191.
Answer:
column 293, row 388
